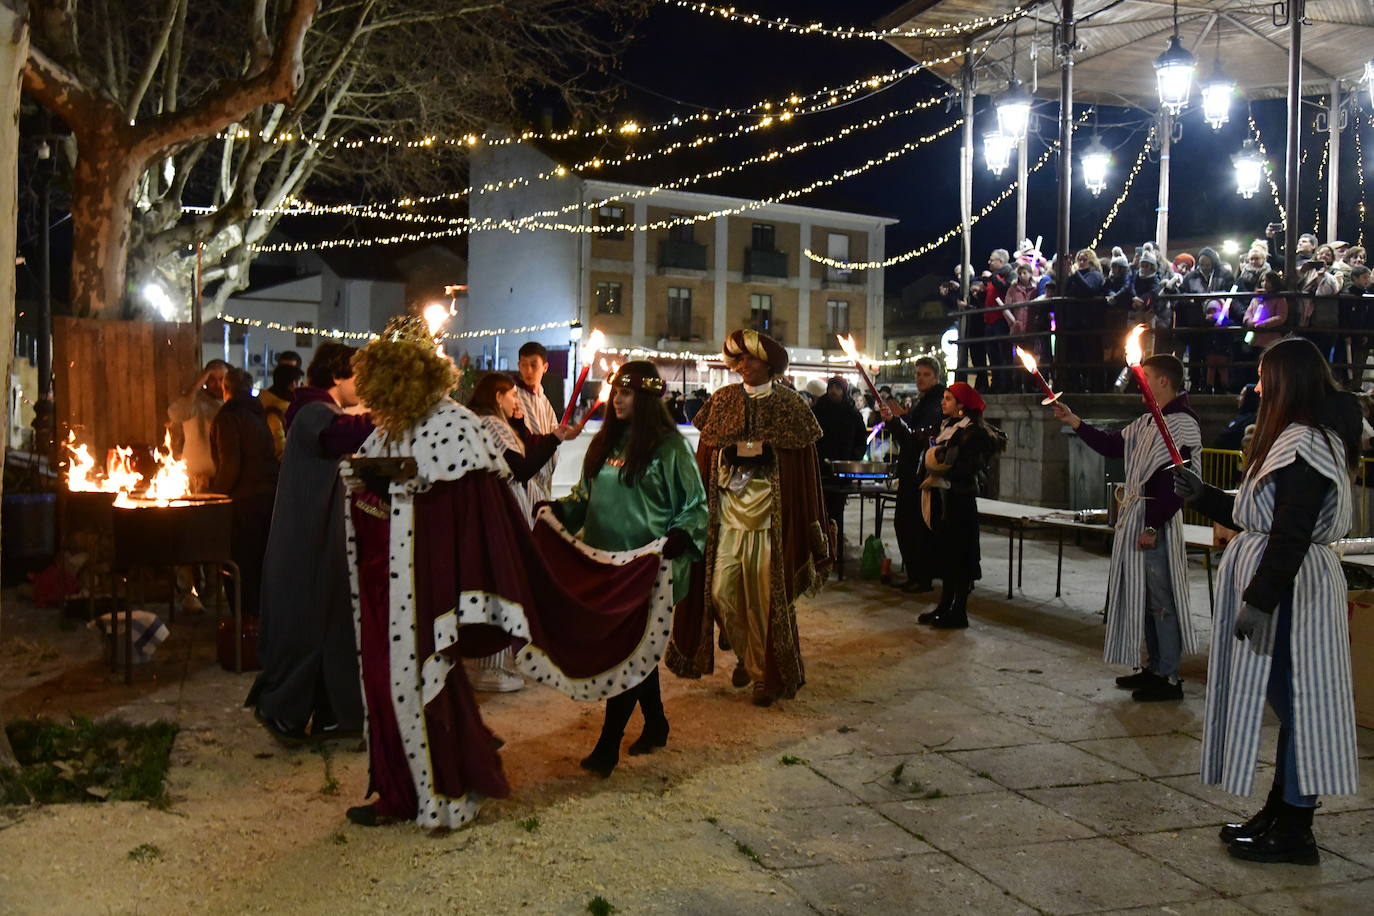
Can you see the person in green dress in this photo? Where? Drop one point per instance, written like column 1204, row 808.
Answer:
column 639, row 484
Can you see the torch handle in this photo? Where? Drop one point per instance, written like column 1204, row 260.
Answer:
column 577, row 389
column 872, row 389
column 1163, row 427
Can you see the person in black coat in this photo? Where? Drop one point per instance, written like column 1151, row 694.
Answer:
column 1083, row 349
column 954, row 470
column 246, row 471
column 1209, row 276
column 912, row 431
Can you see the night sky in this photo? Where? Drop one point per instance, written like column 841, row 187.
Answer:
column 710, row 63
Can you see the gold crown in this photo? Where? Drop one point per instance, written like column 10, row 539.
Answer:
column 408, row 328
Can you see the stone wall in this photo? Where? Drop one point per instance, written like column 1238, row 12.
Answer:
column 1035, row 467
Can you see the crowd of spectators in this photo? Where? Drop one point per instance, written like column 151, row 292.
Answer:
column 1082, row 328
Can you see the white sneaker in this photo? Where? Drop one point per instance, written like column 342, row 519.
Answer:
column 495, row 680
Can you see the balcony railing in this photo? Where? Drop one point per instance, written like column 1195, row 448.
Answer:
column 684, row 328
column 681, row 255
column 835, row 276
column 764, row 262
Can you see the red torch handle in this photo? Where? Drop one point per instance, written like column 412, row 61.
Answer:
column 1163, row 427
column 872, row 389
column 577, row 389
column 1044, row 385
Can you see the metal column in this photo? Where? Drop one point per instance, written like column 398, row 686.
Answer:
column 1333, row 162
column 1294, row 142
column 1066, row 43
column 966, row 204
column 1022, row 175
column 1166, row 142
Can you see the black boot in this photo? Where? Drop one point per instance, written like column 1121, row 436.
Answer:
column 947, row 593
column 1258, row 824
column 655, row 734
column 1288, row 839
column 955, row 617
column 604, row 757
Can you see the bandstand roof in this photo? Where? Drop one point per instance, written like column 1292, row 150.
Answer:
column 1120, row 39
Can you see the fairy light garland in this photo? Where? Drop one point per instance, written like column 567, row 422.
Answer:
column 951, row 233
column 1317, row 197
column 1359, row 171
column 381, row 211
column 336, row 334
column 770, row 110
column 1268, row 172
column 1126, row 189
column 521, row 224
column 818, row 28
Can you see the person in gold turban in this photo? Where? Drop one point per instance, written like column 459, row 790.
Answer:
column 770, row 540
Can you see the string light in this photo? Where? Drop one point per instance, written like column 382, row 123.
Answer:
column 1268, row 172
column 1316, row 202
column 772, row 111
column 1126, row 189
column 337, row 334
column 528, row 223
column 1359, row 171
column 950, row 233
column 296, row 207
column 817, row 28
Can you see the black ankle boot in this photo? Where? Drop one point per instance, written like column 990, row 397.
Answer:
column 654, row 736
column 1262, row 821
column 1288, row 839
column 650, row 698
column 947, row 593
column 955, row 617
column 604, row 757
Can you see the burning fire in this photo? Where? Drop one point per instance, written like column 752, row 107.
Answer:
column 172, row 481
column 1027, row 360
column 595, row 341
column 1133, row 351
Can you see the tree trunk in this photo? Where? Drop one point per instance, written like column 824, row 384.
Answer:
column 14, row 48
column 103, row 186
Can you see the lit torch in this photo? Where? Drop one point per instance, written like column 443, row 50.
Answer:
column 1133, row 354
column 1033, row 368
column 852, row 351
column 595, row 341
column 603, row 396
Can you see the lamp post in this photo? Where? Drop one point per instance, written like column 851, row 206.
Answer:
column 1013, row 111
column 1174, row 74
column 1249, row 168
column 1096, row 159
column 997, row 151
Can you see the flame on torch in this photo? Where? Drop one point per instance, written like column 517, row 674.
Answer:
column 848, row 346
column 1133, row 350
column 1027, row 360
column 595, row 341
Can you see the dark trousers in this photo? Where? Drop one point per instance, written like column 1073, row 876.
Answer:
column 974, row 331
column 913, row 537
column 1280, row 696
column 999, row 353
column 646, row 694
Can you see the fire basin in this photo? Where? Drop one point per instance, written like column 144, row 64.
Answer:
column 179, row 532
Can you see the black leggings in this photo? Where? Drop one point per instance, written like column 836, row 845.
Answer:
column 620, row 707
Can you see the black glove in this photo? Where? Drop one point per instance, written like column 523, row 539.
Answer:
column 553, row 507
column 1188, row 486
column 677, row 544
column 1251, row 623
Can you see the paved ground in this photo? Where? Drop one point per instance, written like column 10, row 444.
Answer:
column 987, row 771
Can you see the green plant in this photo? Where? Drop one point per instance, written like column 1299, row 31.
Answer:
column 529, row 824
column 748, row 852
column 790, row 760
column 80, row 760
column 600, row 906
column 144, row 853
column 897, row 774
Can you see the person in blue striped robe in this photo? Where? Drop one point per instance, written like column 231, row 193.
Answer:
column 1147, row 585
column 1281, row 627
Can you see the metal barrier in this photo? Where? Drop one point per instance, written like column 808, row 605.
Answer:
column 1221, row 467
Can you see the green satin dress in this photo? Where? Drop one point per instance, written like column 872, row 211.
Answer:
column 610, row 515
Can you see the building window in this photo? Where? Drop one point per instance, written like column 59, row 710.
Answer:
column 763, row 238
column 683, row 231
column 760, row 311
column 613, row 217
column 837, row 316
column 837, row 249
column 304, row 340
column 607, row 297
column 679, row 312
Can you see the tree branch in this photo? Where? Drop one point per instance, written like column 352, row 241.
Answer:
column 155, row 56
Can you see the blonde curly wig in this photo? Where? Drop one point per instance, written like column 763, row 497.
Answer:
column 400, row 380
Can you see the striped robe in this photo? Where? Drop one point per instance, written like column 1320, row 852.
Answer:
column 540, row 420
column 1238, row 671
column 1145, row 454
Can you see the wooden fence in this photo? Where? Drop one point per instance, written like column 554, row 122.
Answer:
column 113, row 380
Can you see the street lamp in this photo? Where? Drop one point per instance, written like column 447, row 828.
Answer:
column 1013, row 111
column 1216, row 98
column 156, row 296
column 997, row 148
column 1249, row 168
column 1096, row 159
column 1174, row 75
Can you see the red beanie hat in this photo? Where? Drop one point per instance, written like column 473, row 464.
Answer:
column 965, row 394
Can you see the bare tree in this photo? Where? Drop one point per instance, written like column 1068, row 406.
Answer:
column 175, row 103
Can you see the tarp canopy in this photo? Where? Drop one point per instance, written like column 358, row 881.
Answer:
column 1118, row 41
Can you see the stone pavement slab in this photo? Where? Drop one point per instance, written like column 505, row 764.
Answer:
column 1149, row 755
column 933, row 883
column 992, row 819
column 1116, row 808
column 1038, row 765
column 880, row 779
column 1201, row 856
column 798, row 838
column 1347, row 834
column 1354, row 897
column 1081, row 876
